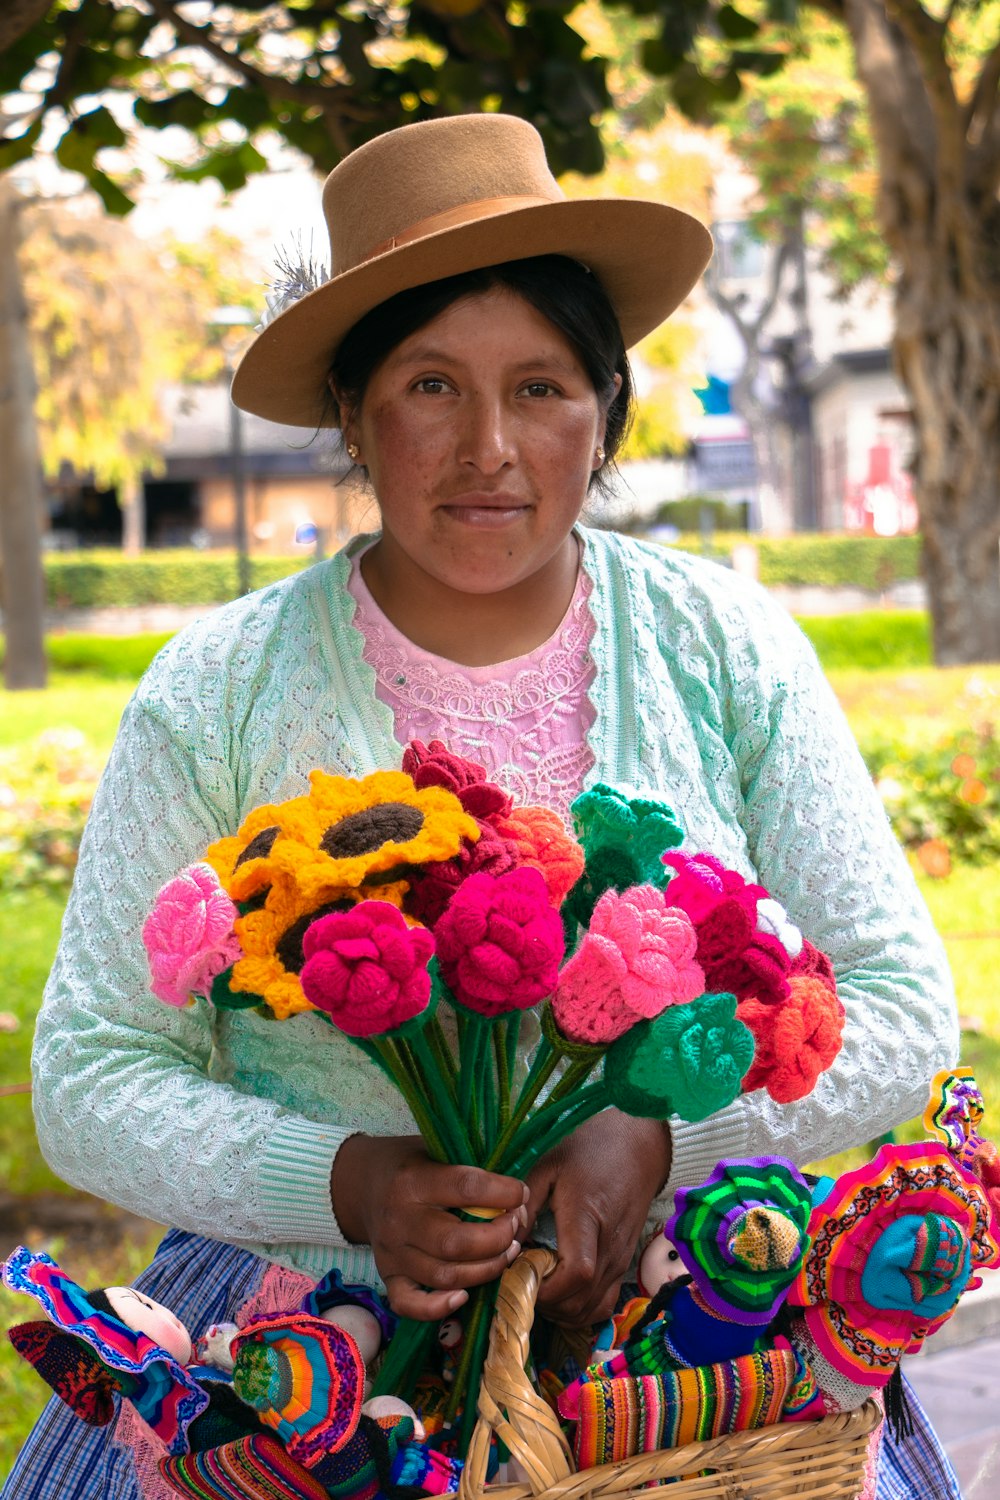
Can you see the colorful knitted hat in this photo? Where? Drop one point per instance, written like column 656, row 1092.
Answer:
column 954, row 1111
column 742, row 1235
column 164, row 1393
column 894, row 1245
column 254, row 1468
column 304, row 1377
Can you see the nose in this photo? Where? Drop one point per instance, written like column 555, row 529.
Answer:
column 487, row 440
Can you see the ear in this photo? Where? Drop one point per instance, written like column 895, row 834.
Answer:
column 346, row 414
column 72, row 1370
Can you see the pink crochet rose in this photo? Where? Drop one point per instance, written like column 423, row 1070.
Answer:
column 500, row 942
column 702, row 881
column 636, row 958
column 366, row 968
column 189, row 936
column 436, row 765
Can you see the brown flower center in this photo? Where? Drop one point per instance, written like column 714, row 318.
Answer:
column 289, row 946
column 365, row 831
column 259, row 846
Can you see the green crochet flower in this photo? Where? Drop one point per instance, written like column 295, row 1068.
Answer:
column 690, row 1061
column 623, row 839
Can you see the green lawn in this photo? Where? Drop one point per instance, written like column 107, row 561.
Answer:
column 73, row 700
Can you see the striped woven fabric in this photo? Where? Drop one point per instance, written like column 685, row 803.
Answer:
column 254, row 1468
column 623, row 1416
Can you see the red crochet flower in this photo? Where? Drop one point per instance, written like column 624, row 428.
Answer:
column 366, row 968
column 500, row 942
column 737, row 957
column 436, row 765
column 702, row 881
column 636, row 958
column 793, row 1042
column 540, row 841
column 812, row 962
column 432, row 886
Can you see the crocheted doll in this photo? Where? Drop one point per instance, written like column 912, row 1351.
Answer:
column 282, row 1400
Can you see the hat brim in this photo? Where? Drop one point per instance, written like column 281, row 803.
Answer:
column 647, row 257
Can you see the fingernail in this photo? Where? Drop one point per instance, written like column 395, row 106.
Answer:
column 513, row 1250
column 522, row 1215
column 527, row 1193
column 457, row 1300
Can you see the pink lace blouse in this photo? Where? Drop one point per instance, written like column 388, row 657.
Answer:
column 526, row 720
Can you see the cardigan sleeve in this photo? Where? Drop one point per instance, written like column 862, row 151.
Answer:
column 125, row 1105
column 819, row 839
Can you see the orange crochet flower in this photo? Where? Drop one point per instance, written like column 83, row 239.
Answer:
column 794, row 1041
column 541, row 841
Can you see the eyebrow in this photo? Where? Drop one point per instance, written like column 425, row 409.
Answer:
column 428, row 354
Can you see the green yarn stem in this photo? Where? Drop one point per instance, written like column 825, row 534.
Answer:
column 501, row 1056
column 571, row 1079
column 544, row 1065
column 398, row 1069
column 408, row 1354
column 478, row 1338
column 446, row 1109
column 489, row 1088
column 532, row 1145
column 512, row 1036
column 433, row 1034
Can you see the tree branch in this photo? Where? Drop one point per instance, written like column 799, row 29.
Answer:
column 330, row 98
column 19, row 17
column 926, row 35
column 985, row 97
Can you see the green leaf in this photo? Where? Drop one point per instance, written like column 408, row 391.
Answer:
column 185, row 108
column 115, row 201
column 735, row 26
column 85, row 137
column 19, row 149
column 658, row 59
column 229, row 166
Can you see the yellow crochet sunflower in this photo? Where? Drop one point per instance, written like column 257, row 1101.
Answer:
column 344, row 835
column 271, row 935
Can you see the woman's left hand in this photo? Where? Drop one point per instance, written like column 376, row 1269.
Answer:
column 599, row 1183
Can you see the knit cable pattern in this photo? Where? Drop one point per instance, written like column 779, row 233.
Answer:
column 226, row 1124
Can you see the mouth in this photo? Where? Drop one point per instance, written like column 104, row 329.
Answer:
column 486, row 510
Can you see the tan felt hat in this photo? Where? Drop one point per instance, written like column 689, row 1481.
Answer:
column 445, row 196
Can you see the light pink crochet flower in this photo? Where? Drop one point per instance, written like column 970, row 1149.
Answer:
column 636, row 958
column 189, row 935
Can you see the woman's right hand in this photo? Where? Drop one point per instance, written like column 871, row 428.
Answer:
column 389, row 1194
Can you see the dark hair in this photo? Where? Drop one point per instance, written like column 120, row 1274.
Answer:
column 561, row 289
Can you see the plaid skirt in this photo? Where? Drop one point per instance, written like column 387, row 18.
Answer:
column 204, row 1282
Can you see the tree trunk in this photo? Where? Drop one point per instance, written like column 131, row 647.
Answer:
column 20, row 471
column 938, row 208
column 132, row 499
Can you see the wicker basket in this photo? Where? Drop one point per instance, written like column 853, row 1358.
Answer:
column 792, row 1461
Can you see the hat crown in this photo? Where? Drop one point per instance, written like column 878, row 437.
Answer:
column 435, row 173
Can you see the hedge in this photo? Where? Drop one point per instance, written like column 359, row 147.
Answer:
column 873, row 563
column 105, row 579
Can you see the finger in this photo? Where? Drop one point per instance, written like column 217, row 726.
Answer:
column 410, row 1300
column 447, row 1237
column 469, row 1188
column 440, row 1275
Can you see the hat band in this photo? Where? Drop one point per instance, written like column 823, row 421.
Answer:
column 450, row 218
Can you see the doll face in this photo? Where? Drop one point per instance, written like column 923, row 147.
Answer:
column 362, row 1325
column 659, row 1264
column 157, row 1322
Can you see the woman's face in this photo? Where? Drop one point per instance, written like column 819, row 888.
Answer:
column 479, row 433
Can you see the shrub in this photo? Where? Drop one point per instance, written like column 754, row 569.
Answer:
column 107, row 579
column 45, row 795
column 943, row 798
column 871, row 640
column 872, row 563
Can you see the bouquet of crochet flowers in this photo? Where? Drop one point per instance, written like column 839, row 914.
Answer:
column 668, row 983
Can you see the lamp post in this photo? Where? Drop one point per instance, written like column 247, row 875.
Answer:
column 236, row 317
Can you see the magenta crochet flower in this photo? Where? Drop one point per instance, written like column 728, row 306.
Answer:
column 500, row 942
column 433, row 885
column 366, row 968
column 636, row 958
column 436, row 765
column 189, row 936
column 702, row 881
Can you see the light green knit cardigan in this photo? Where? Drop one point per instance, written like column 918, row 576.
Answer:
column 227, row 1124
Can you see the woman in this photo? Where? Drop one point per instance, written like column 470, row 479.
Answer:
column 470, row 344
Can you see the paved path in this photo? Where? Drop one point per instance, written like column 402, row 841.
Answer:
column 957, row 1377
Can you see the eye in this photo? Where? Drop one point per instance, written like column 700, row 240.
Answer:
column 539, row 388
column 431, row 385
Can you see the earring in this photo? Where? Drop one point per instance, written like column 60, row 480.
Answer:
column 599, row 454
column 353, row 452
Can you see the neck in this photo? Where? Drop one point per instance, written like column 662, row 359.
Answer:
column 475, row 630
